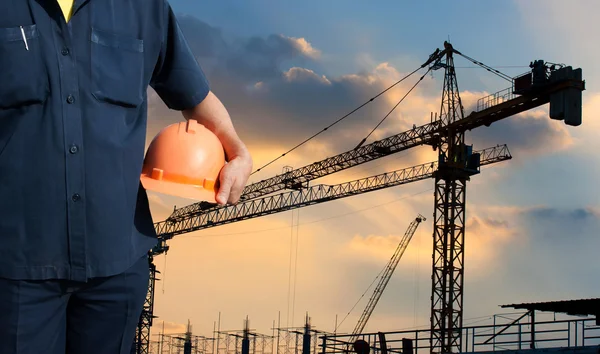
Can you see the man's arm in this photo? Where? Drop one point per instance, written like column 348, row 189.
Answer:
column 182, row 85
column 214, row 116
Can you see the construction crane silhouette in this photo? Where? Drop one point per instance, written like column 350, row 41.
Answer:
column 559, row 85
column 388, row 271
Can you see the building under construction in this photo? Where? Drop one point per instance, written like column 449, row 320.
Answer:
column 560, row 86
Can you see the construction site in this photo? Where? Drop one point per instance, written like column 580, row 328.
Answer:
column 564, row 325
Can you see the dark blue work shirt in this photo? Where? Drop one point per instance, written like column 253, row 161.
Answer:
column 73, row 113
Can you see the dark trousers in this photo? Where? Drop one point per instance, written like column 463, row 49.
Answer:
column 58, row 317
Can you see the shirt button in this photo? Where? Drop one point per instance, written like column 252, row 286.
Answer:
column 73, row 149
column 76, row 197
column 70, row 99
column 65, row 51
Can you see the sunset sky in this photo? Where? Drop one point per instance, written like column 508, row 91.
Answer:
column 287, row 69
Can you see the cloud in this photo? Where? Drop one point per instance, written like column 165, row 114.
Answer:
column 585, row 136
column 578, row 214
column 544, row 213
column 246, row 58
column 208, row 41
column 567, row 24
column 557, row 249
column 304, row 47
column 303, row 76
column 494, row 236
column 558, row 230
column 528, row 133
column 375, row 246
column 484, row 240
column 169, row 327
column 561, row 230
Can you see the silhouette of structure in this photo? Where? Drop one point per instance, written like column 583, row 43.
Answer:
column 243, row 341
column 559, row 85
column 298, row 340
column 570, row 326
column 182, row 343
column 510, row 333
column 386, row 276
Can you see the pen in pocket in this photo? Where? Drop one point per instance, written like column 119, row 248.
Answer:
column 24, row 38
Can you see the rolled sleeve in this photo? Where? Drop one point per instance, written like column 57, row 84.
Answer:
column 178, row 78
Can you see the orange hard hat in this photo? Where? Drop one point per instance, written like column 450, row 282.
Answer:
column 184, row 160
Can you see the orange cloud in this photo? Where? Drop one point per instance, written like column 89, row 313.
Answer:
column 166, row 327
column 485, row 238
column 296, row 74
column 380, row 249
column 304, row 47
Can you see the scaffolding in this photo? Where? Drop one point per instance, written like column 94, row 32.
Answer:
column 244, row 341
column 299, row 340
column 182, row 343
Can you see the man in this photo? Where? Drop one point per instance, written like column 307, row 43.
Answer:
column 75, row 225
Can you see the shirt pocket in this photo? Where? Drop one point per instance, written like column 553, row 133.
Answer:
column 117, row 64
column 23, row 75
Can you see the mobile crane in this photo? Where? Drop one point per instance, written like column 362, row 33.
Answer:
column 388, row 271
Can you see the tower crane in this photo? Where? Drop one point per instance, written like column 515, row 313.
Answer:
column 267, row 205
column 559, row 85
column 385, row 277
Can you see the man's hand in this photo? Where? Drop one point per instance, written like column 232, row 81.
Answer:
column 233, row 178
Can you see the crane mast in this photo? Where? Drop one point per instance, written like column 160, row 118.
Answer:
column 449, row 217
column 386, row 276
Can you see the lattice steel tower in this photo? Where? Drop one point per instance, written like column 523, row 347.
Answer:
column 449, row 217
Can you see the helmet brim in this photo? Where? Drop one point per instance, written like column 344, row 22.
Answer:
column 178, row 190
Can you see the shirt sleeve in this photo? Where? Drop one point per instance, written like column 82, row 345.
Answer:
column 178, row 78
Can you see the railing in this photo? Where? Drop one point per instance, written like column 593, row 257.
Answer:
column 551, row 334
column 495, row 99
column 498, row 337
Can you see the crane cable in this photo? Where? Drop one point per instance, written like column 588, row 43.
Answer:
column 363, row 295
column 287, row 318
column 393, row 108
column 337, row 121
column 488, row 68
column 295, row 263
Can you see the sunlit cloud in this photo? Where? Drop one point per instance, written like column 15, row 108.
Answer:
column 304, row 47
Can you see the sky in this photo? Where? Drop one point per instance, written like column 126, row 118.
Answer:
column 285, row 70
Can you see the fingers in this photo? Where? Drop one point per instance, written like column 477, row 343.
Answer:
column 230, row 190
column 232, row 181
column 225, row 184
column 236, row 191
